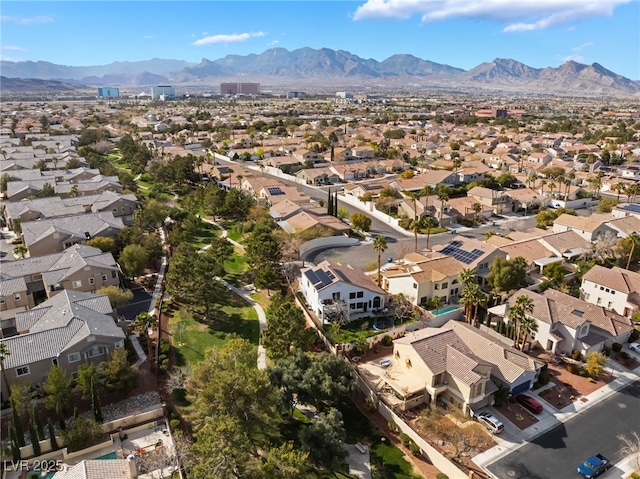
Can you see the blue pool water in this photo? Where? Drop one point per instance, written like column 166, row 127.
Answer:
column 111, row 455
column 445, row 310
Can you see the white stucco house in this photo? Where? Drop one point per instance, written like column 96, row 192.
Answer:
column 329, row 288
column 616, row 289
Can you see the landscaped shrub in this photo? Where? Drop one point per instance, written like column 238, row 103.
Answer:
column 387, row 341
column 635, row 334
column 165, row 346
column 575, row 355
column 616, row 347
column 174, row 423
column 606, row 351
column 392, row 426
column 404, row 439
column 414, row 448
column 635, row 475
column 625, row 355
column 441, row 475
column 544, row 393
column 572, row 368
column 543, row 378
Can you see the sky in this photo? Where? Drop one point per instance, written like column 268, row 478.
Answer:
column 460, row 33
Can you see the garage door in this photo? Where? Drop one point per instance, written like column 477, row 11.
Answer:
column 520, row 388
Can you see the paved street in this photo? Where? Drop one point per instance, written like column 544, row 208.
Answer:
column 556, row 453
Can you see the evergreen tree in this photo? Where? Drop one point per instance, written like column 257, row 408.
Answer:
column 15, row 447
column 330, row 203
column 35, row 443
column 17, row 426
column 38, row 424
column 61, row 422
column 95, row 403
column 335, row 204
column 52, row 436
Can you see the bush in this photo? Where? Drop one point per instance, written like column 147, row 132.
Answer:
column 635, row 334
column 392, row 426
column 543, row 378
column 575, row 355
column 414, row 448
column 544, row 393
column 583, row 373
column 606, row 351
column 174, row 423
column 387, row 341
column 572, row 368
column 625, row 355
column 165, row 346
column 441, row 475
column 616, row 347
column 404, row 439
column 635, row 475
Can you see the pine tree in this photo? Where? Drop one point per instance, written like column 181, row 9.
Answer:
column 335, row 204
column 95, row 403
column 52, row 436
column 36, row 420
column 17, row 426
column 33, row 435
column 15, row 447
column 330, row 203
column 61, row 422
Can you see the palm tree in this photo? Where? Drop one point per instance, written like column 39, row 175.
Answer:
column 532, row 178
column 380, row 245
column 21, row 250
column 467, row 277
column 634, row 238
column 518, row 313
column 437, row 302
column 4, row 354
column 478, row 299
column 489, row 234
column 528, row 325
column 416, row 225
column 443, row 196
column 542, row 185
column 468, row 297
column 144, row 323
column 426, row 191
column 619, row 188
column 428, row 223
column 477, row 209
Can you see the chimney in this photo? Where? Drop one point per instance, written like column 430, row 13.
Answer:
column 133, row 469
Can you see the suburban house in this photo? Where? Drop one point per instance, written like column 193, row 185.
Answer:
column 568, row 244
column 71, row 328
column 80, row 268
column 566, row 323
column 456, row 365
column 615, row 289
column 590, row 228
column 498, row 201
column 304, row 220
column 51, row 235
column 421, row 276
column 318, row 176
column 626, row 209
column 533, row 251
column 625, row 226
column 332, row 289
column 360, row 189
column 272, row 195
column 474, row 254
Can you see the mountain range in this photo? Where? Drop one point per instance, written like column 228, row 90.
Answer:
column 307, row 67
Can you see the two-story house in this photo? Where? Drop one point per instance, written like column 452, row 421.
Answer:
column 498, row 201
column 472, row 253
column 615, row 289
column 332, row 288
column 421, row 276
column 565, row 323
column 67, row 330
column 589, row 228
column 456, row 365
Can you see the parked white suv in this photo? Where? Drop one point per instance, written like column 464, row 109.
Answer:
column 491, row 422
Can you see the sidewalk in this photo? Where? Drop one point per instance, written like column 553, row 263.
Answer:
column 549, row 420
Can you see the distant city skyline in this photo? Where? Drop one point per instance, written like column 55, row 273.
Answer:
column 460, row 33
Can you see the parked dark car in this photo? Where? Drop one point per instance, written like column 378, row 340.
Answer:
column 529, row 403
column 594, row 466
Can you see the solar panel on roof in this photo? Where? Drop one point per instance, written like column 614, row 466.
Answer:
column 632, row 207
column 275, row 190
column 324, row 278
column 312, row 277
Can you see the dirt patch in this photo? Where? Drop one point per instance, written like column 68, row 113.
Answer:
column 569, row 387
column 625, row 359
column 517, row 415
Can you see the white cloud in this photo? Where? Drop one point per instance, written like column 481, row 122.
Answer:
column 5, row 58
column 521, row 15
column 148, row 37
column 575, row 58
column 273, row 42
column 580, row 47
column 232, row 38
column 26, row 20
column 14, row 48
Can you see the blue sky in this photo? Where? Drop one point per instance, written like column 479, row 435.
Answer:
column 461, row 33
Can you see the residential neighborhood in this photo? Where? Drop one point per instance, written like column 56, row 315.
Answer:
column 390, row 278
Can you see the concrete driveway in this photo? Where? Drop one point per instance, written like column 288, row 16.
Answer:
column 359, row 462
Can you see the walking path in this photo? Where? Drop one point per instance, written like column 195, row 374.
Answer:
column 244, row 293
column 550, row 420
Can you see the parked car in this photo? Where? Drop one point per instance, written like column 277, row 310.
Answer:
column 385, row 363
column 594, row 466
column 491, row 422
column 635, row 347
column 529, row 403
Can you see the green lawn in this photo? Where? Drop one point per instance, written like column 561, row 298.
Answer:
column 231, row 316
column 235, row 267
column 349, row 333
column 204, row 234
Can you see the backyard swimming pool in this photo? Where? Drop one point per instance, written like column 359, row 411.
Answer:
column 111, row 455
column 445, row 310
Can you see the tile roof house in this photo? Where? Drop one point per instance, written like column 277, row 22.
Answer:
column 615, row 289
column 51, row 235
column 100, row 469
column 625, row 226
column 567, row 244
column 333, row 288
column 474, row 254
column 421, row 276
column 499, row 201
column 566, row 323
column 71, row 328
column 457, row 365
column 589, row 228
column 80, row 267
